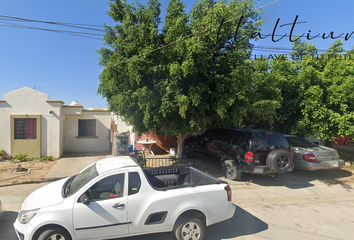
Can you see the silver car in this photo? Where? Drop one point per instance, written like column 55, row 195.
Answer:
column 310, row 156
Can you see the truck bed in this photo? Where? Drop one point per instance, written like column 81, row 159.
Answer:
column 177, row 176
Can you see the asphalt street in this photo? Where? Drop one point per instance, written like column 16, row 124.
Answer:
column 296, row 205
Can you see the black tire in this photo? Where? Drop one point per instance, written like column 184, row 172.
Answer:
column 191, row 227
column 189, row 151
column 231, row 170
column 55, row 233
column 279, row 161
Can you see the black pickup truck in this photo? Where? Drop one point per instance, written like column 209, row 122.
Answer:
column 247, row 150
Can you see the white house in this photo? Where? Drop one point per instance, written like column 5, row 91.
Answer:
column 32, row 124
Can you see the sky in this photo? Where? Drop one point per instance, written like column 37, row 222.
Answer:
column 65, row 66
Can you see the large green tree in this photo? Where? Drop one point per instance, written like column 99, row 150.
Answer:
column 185, row 74
column 314, row 93
column 327, row 85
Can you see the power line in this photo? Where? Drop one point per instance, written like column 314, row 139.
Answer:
column 159, row 48
column 75, row 25
column 80, row 34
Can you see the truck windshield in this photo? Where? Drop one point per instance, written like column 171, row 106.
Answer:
column 81, row 179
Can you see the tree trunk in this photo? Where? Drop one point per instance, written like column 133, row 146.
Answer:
column 180, row 145
column 329, row 144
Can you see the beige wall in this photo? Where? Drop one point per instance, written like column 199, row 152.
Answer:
column 100, row 143
column 31, row 102
column 121, row 125
column 58, row 125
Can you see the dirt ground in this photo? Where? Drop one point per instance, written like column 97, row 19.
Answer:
column 35, row 171
column 348, row 157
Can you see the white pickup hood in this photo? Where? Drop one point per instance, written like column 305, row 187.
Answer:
column 45, row 196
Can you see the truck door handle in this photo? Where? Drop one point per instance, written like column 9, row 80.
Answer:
column 118, row 205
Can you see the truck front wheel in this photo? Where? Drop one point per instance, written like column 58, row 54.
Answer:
column 54, row 233
column 190, row 229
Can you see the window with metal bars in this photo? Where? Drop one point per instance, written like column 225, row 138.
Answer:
column 26, row 128
column 87, row 127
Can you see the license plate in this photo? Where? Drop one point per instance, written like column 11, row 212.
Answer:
column 258, row 170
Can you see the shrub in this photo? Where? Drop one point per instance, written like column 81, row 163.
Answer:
column 3, row 154
column 21, row 156
column 50, row 158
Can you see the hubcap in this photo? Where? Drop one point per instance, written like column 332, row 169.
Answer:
column 229, row 170
column 191, row 231
column 56, row 237
column 282, row 161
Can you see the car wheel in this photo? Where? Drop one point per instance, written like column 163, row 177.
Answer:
column 279, row 161
column 190, row 229
column 54, row 233
column 231, row 170
column 189, row 151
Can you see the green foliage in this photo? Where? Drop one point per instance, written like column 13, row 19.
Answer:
column 191, row 75
column 47, row 158
column 21, row 156
column 2, row 153
column 191, row 83
column 300, row 49
column 316, row 95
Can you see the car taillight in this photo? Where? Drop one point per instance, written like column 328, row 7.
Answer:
column 309, row 157
column 229, row 194
column 249, row 156
column 291, row 153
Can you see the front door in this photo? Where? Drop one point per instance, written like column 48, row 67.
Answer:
column 26, row 135
column 106, row 214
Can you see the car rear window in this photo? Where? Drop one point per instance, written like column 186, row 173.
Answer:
column 268, row 141
column 300, row 142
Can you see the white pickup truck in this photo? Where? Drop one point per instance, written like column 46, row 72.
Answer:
column 115, row 198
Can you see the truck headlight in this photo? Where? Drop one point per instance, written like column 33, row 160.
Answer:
column 25, row 216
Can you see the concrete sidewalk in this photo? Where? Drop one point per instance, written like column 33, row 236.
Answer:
column 288, row 194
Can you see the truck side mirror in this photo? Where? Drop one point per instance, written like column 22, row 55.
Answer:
column 84, row 199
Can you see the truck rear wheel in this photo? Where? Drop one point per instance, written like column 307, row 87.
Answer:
column 231, row 170
column 190, row 229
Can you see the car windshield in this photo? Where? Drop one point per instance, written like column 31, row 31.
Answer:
column 82, row 178
column 300, row 142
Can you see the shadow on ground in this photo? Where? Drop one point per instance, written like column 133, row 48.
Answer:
column 294, row 180
column 7, row 218
column 241, row 224
column 302, row 179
